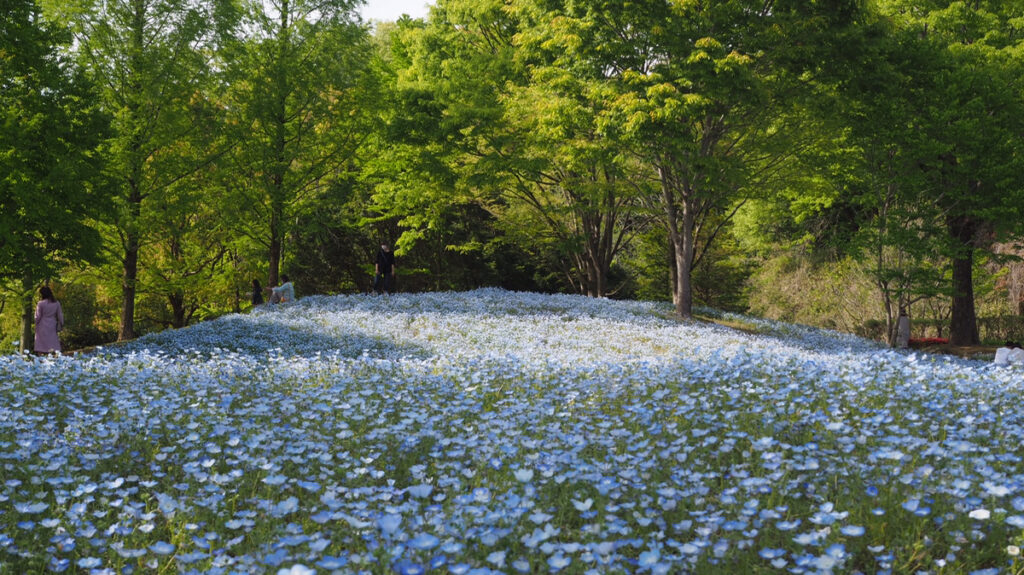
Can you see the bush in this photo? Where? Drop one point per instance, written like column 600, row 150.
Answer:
column 85, row 336
column 992, row 330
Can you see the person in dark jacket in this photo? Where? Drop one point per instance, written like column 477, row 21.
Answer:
column 384, row 271
column 257, row 293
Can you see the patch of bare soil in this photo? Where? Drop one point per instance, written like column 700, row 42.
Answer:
column 965, row 351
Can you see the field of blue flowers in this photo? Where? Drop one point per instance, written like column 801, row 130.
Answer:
column 499, row 432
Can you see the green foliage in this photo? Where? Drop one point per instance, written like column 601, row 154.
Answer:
column 300, row 101
column 959, row 68
column 334, row 251
column 153, row 62
column 853, row 159
column 50, row 191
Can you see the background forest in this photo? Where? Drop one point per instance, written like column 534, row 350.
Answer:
column 835, row 163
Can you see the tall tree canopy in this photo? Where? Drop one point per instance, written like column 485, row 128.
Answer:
column 969, row 112
column 152, row 60
column 301, row 98
column 49, row 190
column 534, row 144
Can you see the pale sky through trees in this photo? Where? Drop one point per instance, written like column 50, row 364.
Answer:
column 389, row 10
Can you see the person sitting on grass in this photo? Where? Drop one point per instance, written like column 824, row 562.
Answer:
column 1010, row 354
column 283, row 293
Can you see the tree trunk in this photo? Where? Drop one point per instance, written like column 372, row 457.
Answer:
column 680, row 233
column 131, row 239
column 963, row 329
column 27, row 318
column 178, row 314
column 963, row 323
column 280, row 161
column 673, row 272
column 684, row 262
column 274, row 256
column 890, row 323
column 129, row 275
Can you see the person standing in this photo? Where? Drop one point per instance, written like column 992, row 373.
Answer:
column 257, row 293
column 384, row 269
column 49, row 322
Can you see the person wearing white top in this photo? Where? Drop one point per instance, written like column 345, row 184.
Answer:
column 1010, row 354
column 1016, row 356
column 283, row 293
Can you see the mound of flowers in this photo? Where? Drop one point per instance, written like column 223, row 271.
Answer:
column 499, row 432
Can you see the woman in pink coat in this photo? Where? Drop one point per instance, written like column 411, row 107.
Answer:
column 49, row 321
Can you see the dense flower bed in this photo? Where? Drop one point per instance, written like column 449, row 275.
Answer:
column 496, row 432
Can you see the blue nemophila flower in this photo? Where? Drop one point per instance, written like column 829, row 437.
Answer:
column 406, row 567
column 286, row 507
column 128, row 553
column 787, row 525
column 389, row 523
column 188, row 558
column 276, row 558
column 89, row 562
column 523, row 475
column 275, row 480
column 420, row 491
column 297, row 569
column 559, row 562
column 810, row 538
column 497, row 558
column 582, row 505
column 852, row 530
column 769, row 553
column 540, row 517
column 648, row 559
column 331, row 563
column 424, row 541
column 31, row 508
column 162, row 548
column 311, row 486
column 1015, row 521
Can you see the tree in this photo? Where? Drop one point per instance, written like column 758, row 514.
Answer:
column 50, row 192
column 697, row 104
column 152, row 59
column 300, row 101
column 565, row 161
column 187, row 255
column 970, row 109
column 879, row 213
column 442, row 80
column 518, row 131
